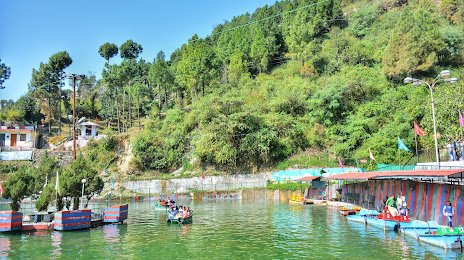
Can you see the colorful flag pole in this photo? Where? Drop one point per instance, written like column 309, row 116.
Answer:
column 340, row 162
column 371, row 156
column 401, row 145
column 417, row 131
column 1, row 189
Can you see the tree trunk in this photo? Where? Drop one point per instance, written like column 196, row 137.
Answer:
column 124, row 109
column 203, row 87
column 166, row 99
column 117, row 111
column 130, row 111
column 59, row 106
column 159, row 101
column 49, row 114
column 138, row 110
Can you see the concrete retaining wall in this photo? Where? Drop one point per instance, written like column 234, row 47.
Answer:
column 210, row 183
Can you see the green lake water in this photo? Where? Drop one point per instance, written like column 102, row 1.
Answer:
column 224, row 230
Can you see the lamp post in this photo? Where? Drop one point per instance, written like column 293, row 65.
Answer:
column 83, row 182
column 417, row 82
column 74, row 77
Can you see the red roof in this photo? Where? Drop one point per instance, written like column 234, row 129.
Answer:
column 16, row 130
column 394, row 174
column 310, row 178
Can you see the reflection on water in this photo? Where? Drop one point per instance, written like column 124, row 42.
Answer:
column 4, row 246
column 225, row 229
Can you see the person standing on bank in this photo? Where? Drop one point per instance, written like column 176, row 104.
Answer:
column 451, row 150
column 448, row 212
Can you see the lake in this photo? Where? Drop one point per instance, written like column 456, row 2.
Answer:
column 224, row 230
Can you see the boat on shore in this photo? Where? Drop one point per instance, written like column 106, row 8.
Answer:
column 345, row 211
column 362, row 216
column 299, row 200
column 445, row 238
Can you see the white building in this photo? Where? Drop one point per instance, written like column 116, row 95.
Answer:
column 88, row 130
column 20, row 138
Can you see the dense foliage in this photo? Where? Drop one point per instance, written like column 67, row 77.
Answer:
column 324, row 77
column 40, row 182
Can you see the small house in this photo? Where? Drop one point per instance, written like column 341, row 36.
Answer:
column 88, row 130
column 18, row 137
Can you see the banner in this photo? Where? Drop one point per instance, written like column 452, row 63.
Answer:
column 371, row 155
column 418, row 130
column 401, row 145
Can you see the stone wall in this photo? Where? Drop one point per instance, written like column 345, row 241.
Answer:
column 210, row 183
column 64, row 157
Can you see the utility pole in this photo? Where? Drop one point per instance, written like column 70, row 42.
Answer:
column 74, row 77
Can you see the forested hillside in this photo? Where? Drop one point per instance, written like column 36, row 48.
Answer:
column 298, row 77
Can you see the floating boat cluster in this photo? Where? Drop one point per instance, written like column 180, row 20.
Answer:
column 426, row 231
column 62, row 220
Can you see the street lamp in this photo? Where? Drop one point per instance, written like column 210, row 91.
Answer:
column 417, row 82
column 83, row 182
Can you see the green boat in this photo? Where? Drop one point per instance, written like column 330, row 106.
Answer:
column 161, row 208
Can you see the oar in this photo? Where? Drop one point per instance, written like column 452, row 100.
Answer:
column 428, row 226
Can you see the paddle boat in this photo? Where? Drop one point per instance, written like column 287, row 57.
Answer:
column 416, row 228
column 179, row 220
column 299, row 200
column 444, row 238
column 345, row 211
column 161, row 207
column 362, row 216
column 388, row 222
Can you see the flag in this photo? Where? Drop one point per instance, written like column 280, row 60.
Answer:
column 461, row 120
column 46, row 180
column 112, row 182
column 202, row 175
column 371, row 155
column 96, row 119
column 56, row 185
column 418, row 130
column 401, row 145
column 340, row 162
column 1, row 189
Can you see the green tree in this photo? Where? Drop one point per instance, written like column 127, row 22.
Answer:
column 58, row 62
column 18, row 186
column 108, row 51
column 70, row 184
column 5, row 73
column 44, row 86
column 414, row 44
column 130, row 50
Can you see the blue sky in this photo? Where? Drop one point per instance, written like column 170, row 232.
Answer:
column 32, row 31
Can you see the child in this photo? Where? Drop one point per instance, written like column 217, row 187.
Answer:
column 448, row 211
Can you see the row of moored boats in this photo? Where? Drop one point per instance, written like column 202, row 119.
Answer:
column 426, row 231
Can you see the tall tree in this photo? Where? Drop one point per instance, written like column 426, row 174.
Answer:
column 45, row 88
column 108, row 51
column 5, row 73
column 58, row 62
column 130, row 50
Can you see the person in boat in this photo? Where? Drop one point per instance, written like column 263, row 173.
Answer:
column 391, row 205
column 448, row 211
column 381, row 207
column 402, row 205
column 185, row 213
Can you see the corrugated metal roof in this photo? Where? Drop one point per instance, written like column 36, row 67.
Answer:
column 395, row 174
column 310, row 178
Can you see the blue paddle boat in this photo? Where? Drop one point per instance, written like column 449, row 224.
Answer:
column 444, row 238
column 416, row 228
column 363, row 215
